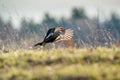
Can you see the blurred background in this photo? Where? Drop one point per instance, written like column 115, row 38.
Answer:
column 25, row 22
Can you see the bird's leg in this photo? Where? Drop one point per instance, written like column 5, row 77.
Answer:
column 41, row 47
column 53, row 45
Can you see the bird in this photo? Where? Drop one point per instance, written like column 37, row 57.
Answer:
column 56, row 34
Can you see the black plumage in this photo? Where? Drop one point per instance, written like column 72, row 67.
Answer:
column 52, row 35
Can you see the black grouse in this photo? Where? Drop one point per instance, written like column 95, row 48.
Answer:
column 55, row 34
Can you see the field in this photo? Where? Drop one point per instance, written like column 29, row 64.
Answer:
column 61, row 64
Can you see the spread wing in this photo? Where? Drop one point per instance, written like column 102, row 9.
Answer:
column 68, row 34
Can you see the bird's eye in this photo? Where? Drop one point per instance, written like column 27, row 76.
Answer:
column 61, row 29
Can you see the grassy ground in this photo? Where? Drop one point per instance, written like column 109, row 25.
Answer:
column 61, row 64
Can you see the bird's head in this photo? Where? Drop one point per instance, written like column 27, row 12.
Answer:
column 61, row 29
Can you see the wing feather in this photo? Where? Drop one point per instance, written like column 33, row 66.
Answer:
column 67, row 35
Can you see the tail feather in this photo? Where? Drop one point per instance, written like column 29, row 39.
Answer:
column 41, row 44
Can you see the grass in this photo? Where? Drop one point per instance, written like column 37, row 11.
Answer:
column 61, row 64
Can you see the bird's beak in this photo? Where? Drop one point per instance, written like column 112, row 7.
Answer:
column 62, row 30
